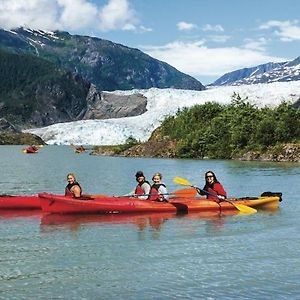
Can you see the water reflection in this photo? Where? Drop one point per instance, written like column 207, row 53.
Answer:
column 145, row 225
column 10, row 214
column 150, row 222
column 50, row 222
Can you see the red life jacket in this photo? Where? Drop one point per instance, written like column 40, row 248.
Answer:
column 139, row 190
column 216, row 189
column 154, row 195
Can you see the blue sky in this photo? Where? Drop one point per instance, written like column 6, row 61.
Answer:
column 203, row 38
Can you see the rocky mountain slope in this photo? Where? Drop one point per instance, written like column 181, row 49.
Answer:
column 34, row 92
column 109, row 66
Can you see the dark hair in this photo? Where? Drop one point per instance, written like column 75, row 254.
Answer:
column 139, row 174
column 71, row 174
column 213, row 174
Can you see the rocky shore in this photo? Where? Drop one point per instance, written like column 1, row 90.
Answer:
column 285, row 153
column 10, row 135
column 165, row 148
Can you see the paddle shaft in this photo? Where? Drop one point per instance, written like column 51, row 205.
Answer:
column 136, row 195
column 207, row 193
column 216, row 196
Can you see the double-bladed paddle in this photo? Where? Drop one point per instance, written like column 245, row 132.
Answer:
column 184, row 193
column 241, row 207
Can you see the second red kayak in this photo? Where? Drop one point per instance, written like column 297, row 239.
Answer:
column 19, row 202
column 52, row 203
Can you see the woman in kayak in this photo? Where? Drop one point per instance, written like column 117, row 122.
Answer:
column 213, row 189
column 158, row 190
column 143, row 187
column 73, row 188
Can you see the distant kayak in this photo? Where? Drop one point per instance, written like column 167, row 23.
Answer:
column 52, row 203
column 19, row 202
column 31, row 149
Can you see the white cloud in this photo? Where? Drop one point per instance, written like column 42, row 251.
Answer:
column 40, row 14
column 209, row 27
column 195, row 59
column 144, row 29
column 258, row 45
column 75, row 10
column 286, row 30
column 219, row 38
column 184, row 26
column 69, row 15
column 117, row 14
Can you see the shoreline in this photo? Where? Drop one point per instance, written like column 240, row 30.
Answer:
column 285, row 153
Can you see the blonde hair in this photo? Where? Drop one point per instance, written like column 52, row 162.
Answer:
column 157, row 174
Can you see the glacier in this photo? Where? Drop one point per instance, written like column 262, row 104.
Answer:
column 160, row 104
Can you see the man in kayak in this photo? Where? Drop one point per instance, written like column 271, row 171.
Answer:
column 143, row 187
column 213, row 189
column 158, row 190
column 73, row 188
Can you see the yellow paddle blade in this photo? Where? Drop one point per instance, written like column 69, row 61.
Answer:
column 243, row 208
column 182, row 181
column 191, row 192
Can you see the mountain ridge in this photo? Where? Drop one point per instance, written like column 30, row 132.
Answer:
column 108, row 65
column 264, row 73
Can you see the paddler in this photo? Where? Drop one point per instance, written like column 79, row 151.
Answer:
column 143, row 187
column 158, row 190
column 213, row 187
column 73, row 188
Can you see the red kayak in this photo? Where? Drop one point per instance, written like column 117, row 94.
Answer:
column 52, row 203
column 19, row 202
column 31, row 150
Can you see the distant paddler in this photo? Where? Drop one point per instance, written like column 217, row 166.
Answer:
column 78, row 149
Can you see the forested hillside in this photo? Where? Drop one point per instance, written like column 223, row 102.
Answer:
column 31, row 87
column 223, row 131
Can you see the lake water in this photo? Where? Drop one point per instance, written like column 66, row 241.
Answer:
column 157, row 256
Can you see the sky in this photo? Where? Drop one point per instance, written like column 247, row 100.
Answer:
column 202, row 38
column 117, row 131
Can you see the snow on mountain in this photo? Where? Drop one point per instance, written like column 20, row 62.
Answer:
column 280, row 72
column 161, row 103
column 236, row 77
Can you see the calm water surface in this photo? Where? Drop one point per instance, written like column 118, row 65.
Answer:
column 154, row 256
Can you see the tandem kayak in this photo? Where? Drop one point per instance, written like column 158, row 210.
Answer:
column 52, row 203
column 19, row 202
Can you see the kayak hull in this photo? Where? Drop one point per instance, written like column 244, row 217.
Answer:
column 106, row 204
column 52, row 203
column 19, row 202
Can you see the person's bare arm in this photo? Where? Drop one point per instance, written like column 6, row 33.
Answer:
column 76, row 191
